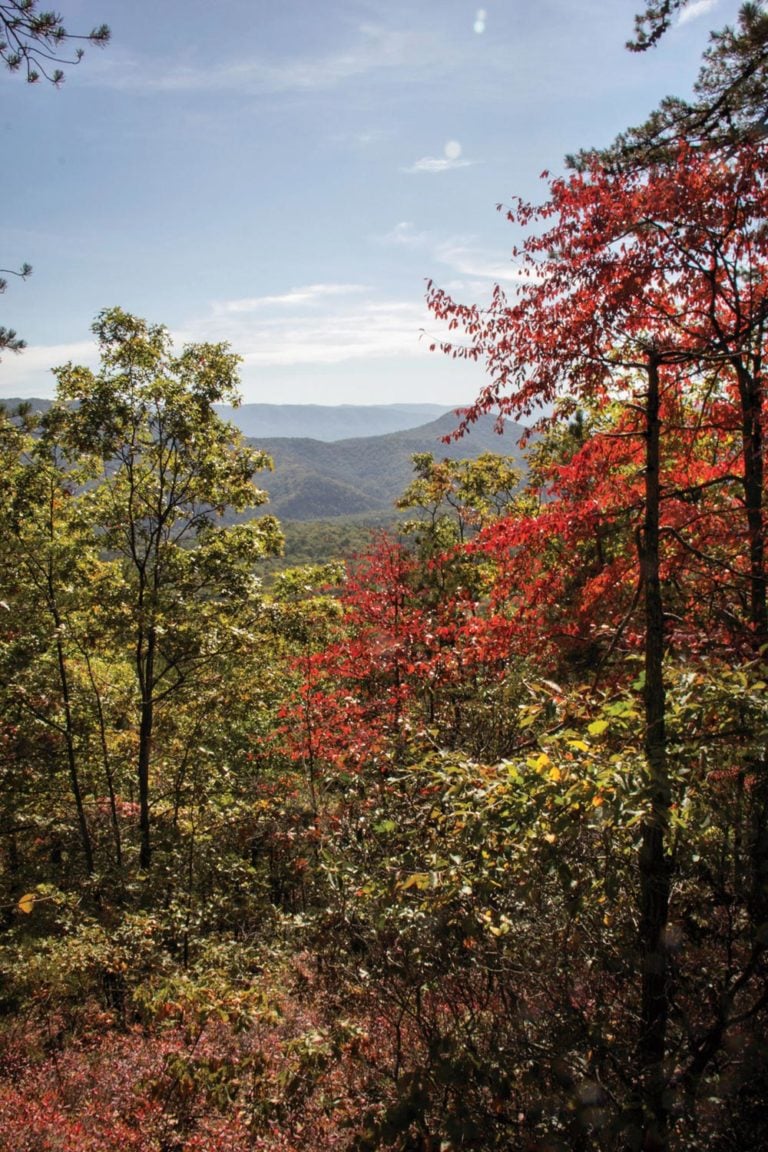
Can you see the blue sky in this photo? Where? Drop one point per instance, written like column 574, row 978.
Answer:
column 286, row 176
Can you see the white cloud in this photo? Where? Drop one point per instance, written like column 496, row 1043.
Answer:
column 438, row 164
column 376, row 49
column 29, row 372
column 374, row 330
column 325, row 329
column 468, row 260
column 321, row 324
column 332, row 324
column 311, row 294
column 361, row 140
column 451, row 158
column 696, row 9
column 307, row 335
column 404, row 235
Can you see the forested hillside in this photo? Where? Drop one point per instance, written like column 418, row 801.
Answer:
column 313, row 480
column 462, row 844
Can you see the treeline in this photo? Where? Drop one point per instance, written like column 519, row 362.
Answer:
column 318, row 541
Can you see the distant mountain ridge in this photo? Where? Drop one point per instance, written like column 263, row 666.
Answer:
column 317, row 421
column 314, row 479
column 329, row 422
column 36, row 403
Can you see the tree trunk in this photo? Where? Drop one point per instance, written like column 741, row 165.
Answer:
column 50, row 585
column 752, row 451
column 654, row 866
column 105, row 756
column 69, row 738
column 145, row 661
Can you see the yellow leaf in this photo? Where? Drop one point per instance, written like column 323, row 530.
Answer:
column 555, row 775
column 418, row 880
column 26, row 903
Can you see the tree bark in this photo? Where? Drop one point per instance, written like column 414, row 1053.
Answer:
column 750, row 391
column 69, row 736
column 752, row 452
column 654, row 866
column 145, row 660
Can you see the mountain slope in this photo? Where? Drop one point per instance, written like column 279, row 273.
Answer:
column 314, row 479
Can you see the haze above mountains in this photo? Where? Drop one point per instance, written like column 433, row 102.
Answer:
column 329, row 422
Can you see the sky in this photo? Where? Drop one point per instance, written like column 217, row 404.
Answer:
column 287, row 176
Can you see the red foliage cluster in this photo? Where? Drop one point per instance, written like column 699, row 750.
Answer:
column 619, row 270
column 287, row 1085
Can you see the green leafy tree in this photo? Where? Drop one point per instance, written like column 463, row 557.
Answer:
column 455, row 497
column 166, row 469
column 48, row 559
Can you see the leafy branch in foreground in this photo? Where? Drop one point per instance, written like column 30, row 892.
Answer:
column 653, row 23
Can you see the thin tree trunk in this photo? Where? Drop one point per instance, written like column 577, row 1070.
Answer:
column 107, row 764
column 145, row 660
column 654, row 866
column 69, row 737
column 752, row 452
column 69, row 729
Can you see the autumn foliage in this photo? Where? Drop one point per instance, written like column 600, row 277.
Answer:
column 464, row 846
